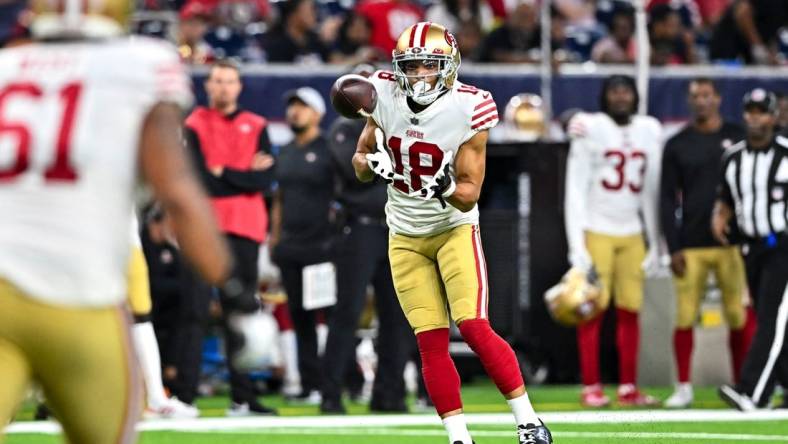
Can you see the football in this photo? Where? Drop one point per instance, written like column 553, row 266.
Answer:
column 353, row 96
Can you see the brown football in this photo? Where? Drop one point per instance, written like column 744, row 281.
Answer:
column 353, row 96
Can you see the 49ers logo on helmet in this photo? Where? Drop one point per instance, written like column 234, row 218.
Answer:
column 449, row 39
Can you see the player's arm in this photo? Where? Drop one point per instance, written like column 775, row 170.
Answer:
column 578, row 180
column 723, row 207
column 366, row 145
column 720, row 221
column 165, row 165
column 469, row 168
column 260, row 175
column 650, row 197
column 669, row 189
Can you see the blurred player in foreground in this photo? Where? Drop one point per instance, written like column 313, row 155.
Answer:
column 428, row 134
column 83, row 112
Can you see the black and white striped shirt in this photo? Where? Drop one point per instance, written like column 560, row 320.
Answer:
column 755, row 184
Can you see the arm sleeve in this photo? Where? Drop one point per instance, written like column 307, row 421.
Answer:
column 669, row 190
column 252, row 181
column 578, row 180
column 215, row 186
column 650, row 195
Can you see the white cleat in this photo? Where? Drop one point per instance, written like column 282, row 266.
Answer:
column 172, row 408
column 681, row 398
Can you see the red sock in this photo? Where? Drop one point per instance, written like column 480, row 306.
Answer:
column 628, row 340
column 440, row 375
column 588, row 350
column 682, row 347
column 496, row 355
column 739, row 343
column 282, row 316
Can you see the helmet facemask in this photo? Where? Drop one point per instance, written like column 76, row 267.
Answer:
column 416, row 86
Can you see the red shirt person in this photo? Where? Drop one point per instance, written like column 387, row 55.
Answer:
column 231, row 150
column 388, row 18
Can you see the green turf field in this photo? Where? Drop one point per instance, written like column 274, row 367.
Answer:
column 710, row 424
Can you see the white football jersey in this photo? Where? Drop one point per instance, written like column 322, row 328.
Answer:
column 612, row 175
column 418, row 143
column 72, row 116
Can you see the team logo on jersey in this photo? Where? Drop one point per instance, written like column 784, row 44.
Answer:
column 414, row 121
column 245, row 128
column 310, row 157
column 414, row 134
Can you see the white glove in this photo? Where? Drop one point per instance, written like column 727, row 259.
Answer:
column 652, row 264
column 259, row 332
column 380, row 162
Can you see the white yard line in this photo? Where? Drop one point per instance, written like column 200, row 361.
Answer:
column 505, row 434
column 581, row 417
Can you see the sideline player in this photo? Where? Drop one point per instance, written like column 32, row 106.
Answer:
column 82, row 111
column 612, row 176
column 690, row 173
column 436, row 131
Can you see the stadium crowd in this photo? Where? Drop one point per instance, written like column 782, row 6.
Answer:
column 730, row 32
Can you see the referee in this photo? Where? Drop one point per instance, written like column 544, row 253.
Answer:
column 754, row 187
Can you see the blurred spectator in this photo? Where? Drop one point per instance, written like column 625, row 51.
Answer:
column 194, row 20
column 14, row 21
column 518, row 40
column 469, row 37
column 227, row 43
column 748, row 32
column 580, row 13
column 711, row 11
column 671, row 43
column 388, row 19
column 294, row 39
column 782, row 114
column 301, row 229
column 619, row 46
column 231, row 152
column 452, row 13
column 687, row 10
column 352, row 46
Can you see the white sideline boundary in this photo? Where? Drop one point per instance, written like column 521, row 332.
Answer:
column 368, row 421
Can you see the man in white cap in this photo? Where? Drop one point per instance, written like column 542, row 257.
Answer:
column 301, row 231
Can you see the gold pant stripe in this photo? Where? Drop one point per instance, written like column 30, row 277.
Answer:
column 481, row 274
